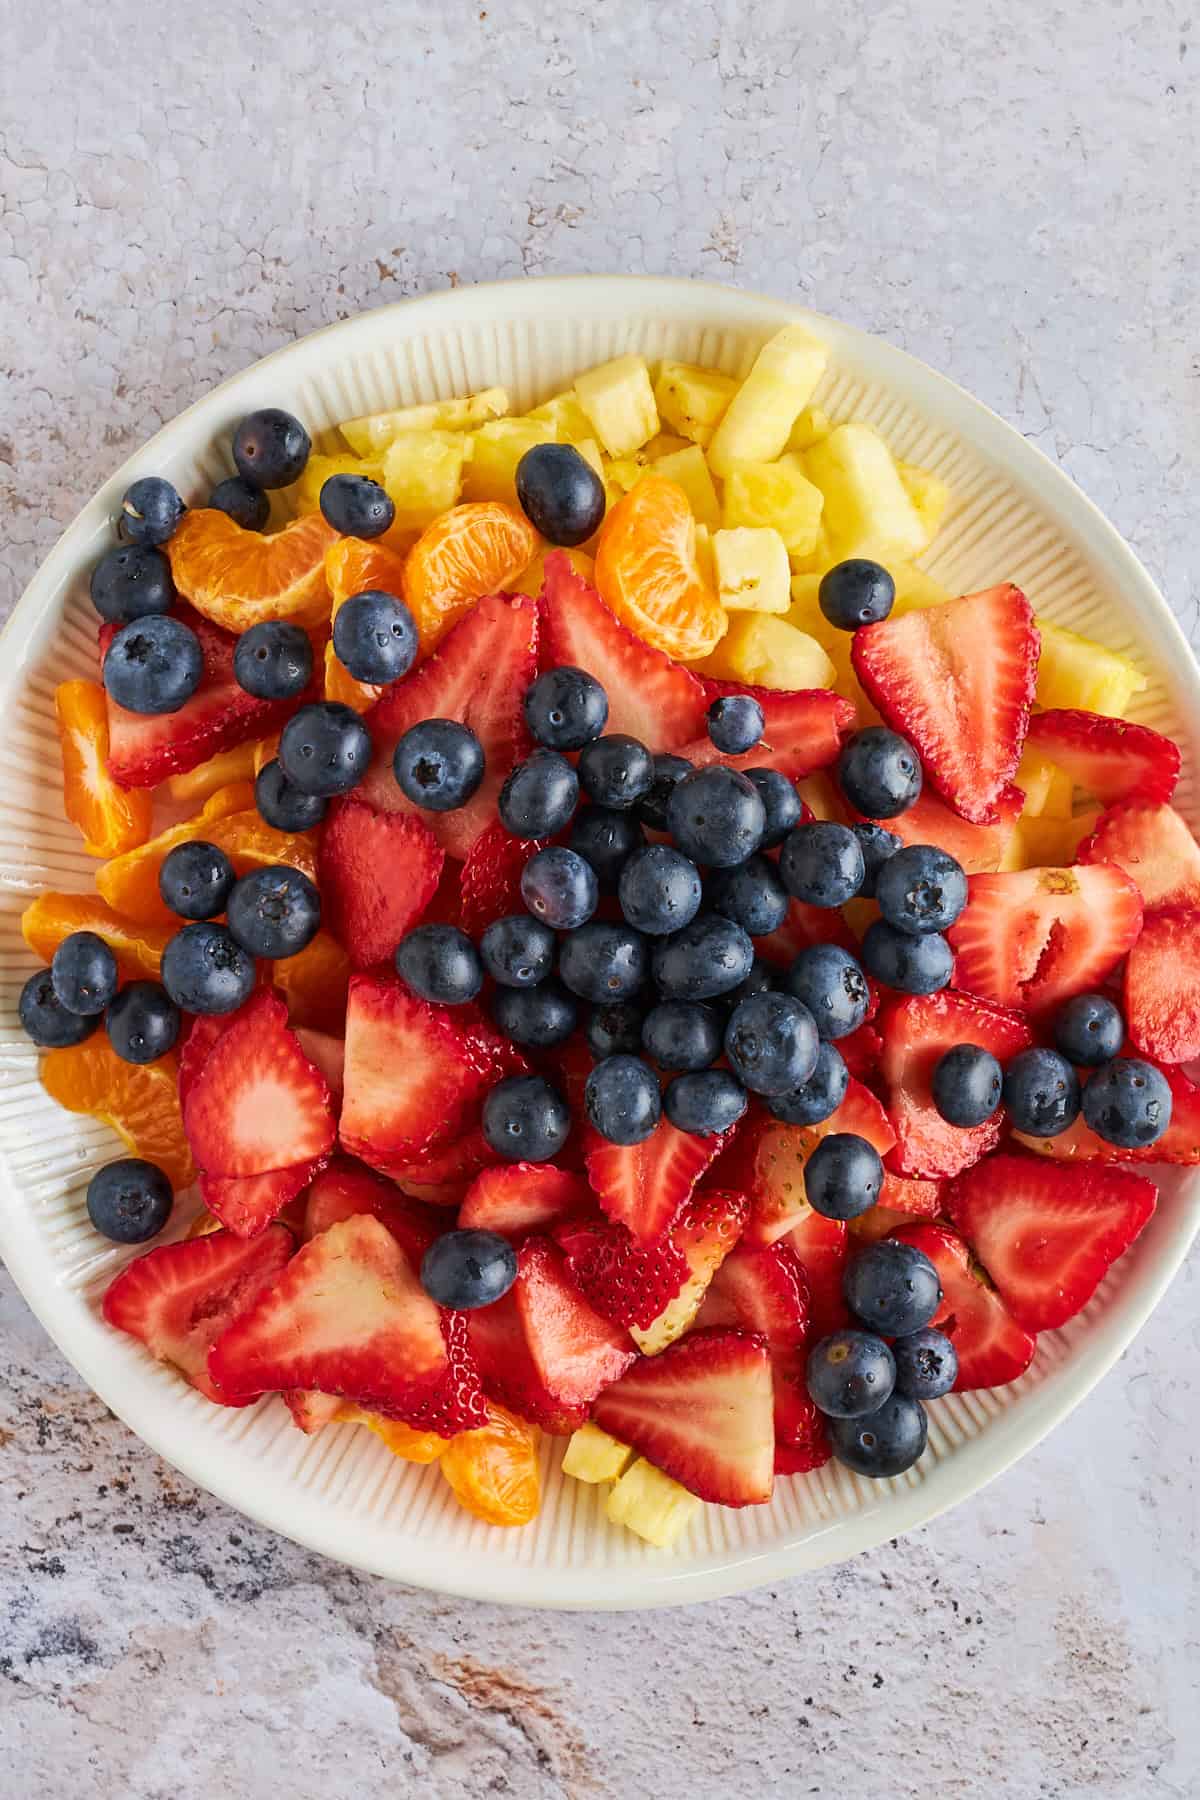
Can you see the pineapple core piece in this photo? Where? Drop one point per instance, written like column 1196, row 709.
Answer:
column 752, row 570
column 619, row 402
column 652, row 1504
column 760, row 417
column 592, row 1455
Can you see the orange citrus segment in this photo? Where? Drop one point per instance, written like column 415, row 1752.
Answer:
column 314, row 984
column 530, row 580
column 265, row 751
column 236, row 577
column 111, row 818
column 494, row 1471
column 646, row 570
column 353, row 566
column 139, row 1101
column 402, row 1440
column 50, row 918
column 470, row 551
column 218, row 772
column 130, row 883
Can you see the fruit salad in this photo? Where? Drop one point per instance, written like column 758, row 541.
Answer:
column 589, row 939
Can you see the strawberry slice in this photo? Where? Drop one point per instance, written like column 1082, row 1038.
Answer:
column 1179, row 1144
column 346, row 1189
column 259, row 1104
column 649, row 696
column 626, row 1282
column 957, row 681
column 328, row 1054
column 766, row 1291
column 916, row 1033
column 490, row 888
column 442, row 1173
column 861, row 1052
column 979, row 849
column 806, row 1446
column 518, row 1198
column 802, row 730
column 1047, row 1236
column 803, row 927
column 1154, row 847
column 497, row 1339
column 822, row 1247
column 378, row 871
column 776, row 1153
column 992, row 1347
column 703, row 1413
column 248, row 1203
column 1110, row 758
column 1032, row 938
column 704, row 1231
column 311, row 1411
column 916, row 1199
column 478, row 675
column 877, row 1222
column 179, row 1298
column 199, row 1039
column 348, row 1316
column 644, row 1185
column 1161, row 989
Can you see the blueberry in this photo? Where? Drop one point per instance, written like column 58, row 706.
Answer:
column 850, row 1374
column 560, row 493
column 439, row 764
column 196, row 880
column 357, row 507
column 716, row 816
column 559, row 887
column 273, row 660
column 440, row 963
column 966, row 1085
column 822, row 863
column 921, row 889
column 762, row 979
column 926, row 1364
column 886, row 1443
column 668, row 771
column 150, row 510
column 1089, row 1030
column 282, row 805
column 129, row 1201
column 325, row 749
column 132, row 582
column 735, row 724
column 205, row 969
column 1041, row 1092
column 911, row 965
column 465, row 1270
column 274, row 912
column 270, row 448
column 833, row 987
column 602, row 962
column 46, row 1020
column 843, row 1176
column 142, row 1022
column 566, row 707
column 820, row 1096
column 856, row 593
column 374, row 637
column 525, row 1119
column 708, row 957
column 781, row 804
column 877, row 845
column 621, row 1099
column 879, row 772
column 659, row 890
column 616, row 770
column 518, row 951
column 615, row 1030
column 153, row 665
column 537, row 1016
column 892, row 1287
column 752, row 895
column 245, row 504
column 1128, row 1103
column 683, row 1034
column 539, row 796
column 606, row 838
column 705, row 1102
column 83, row 973
column 771, row 1043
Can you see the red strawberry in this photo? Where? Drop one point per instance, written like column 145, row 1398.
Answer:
column 957, row 680
column 248, row 1203
column 311, row 1411
column 822, row 1247
column 649, row 696
column 861, row 1051
column 806, row 1446
column 919, row 1199
column 1161, row 990
column 349, row 1316
column 491, row 878
column 259, row 1104
column 478, row 675
column 497, row 1340
column 1032, row 938
column 518, row 1198
column 627, row 1282
column 643, row 1185
column 379, row 872
column 1180, row 1143
column 916, row 1032
column 1111, row 758
column 1154, row 846
column 1048, row 1235
column 328, row 1054
column 802, row 731
column 704, row 1231
column 879, row 1221
column 703, row 1413
column 450, row 1167
column 199, row 1039
column 346, row 1189
column 804, row 926
column 992, row 1347
column 978, row 848
column 763, row 1289
column 179, row 1298
column 777, row 1154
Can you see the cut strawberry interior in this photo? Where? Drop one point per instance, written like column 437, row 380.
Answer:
column 248, row 1203
column 259, row 1104
column 917, row 1032
column 518, row 1198
column 822, row 1247
column 642, row 1186
column 991, row 1346
column 775, row 1155
column 802, row 731
column 1161, row 993
column 803, row 927
column 490, row 887
column 1154, row 847
column 978, row 849
column 1032, row 938
column 1180, row 1142
column 378, row 871
column 1110, row 758
column 346, row 1189
column 626, row 1282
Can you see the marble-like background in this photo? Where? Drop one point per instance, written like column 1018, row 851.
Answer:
column 1014, row 199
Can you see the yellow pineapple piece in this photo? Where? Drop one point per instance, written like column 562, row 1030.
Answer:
column 1073, row 671
column 809, row 429
column 663, row 443
column 529, row 581
column 805, row 615
column 371, row 435
column 763, row 650
column 563, row 411
column 422, row 471
column 704, row 557
column 689, row 469
column 914, row 588
column 752, row 570
column 619, row 402
column 589, row 449
column 1048, row 791
column 1042, row 843
column 692, row 400
column 760, row 417
column 929, row 494
column 651, row 1504
column 778, row 494
column 306, row 492
column 496, row 450
column 865, row 499
column 591, row 1455
column 822, row 798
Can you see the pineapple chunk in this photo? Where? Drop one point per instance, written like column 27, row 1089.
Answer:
column 372, row 434
column 529, row 581
column 568, row 418
column 929, row 494
column 1047, row 843
column 704, row 558
column 690, row 470
column 915, row 589
column 764, row 651
column 652, row 1504
column 822, row 798
column 752, row 570
column 619, row 403
column 1048, row 791
column 589, row 449
column 306, row 492
column 422, row 471
column 693, row 400
column 809, row 429
column 777, row 494
column 663, row 443
column 865, row 498
column 1074, row 671
column 760, row 417
column 496, row 450
column 592, row 1455
column 805, row 615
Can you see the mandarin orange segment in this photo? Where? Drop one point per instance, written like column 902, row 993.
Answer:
column 130, row 883
column 315, row 983
column 265, row 751
column 139, row 1101
column 353, row 566
column 646, row 571
column 494, row 1471
column 210, row 777
column 110, row 817
column 470, row 551
column 402, row 1440
column 137, row 947
column 237, row 578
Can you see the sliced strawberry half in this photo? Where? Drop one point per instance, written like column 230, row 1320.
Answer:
column 1161, row 991
column 775, row 1155
column 1048, row 1235
column 179, row 1298
column 345, row 1189
column 979, row 849
column 822, row 1247
column 917, row 1032
column 625, row 1281
column 802, row 731
column 643, row 1186
column 861, row 1052
column 918, row 1198
column 991, row 1346
column 248, row 1203
column 1179, row 1144
column 259, row 1104
column 957, row 681
column 198, row 1040
column 497, row 1339
column 327, row 1053
column 1154, row 846
column 442, row 1173
column 379, row 872
column 704, row 1232
column 490, row 888
column 517, row 1198
column 877, row 1222
column 766, row 1291
column 803, row 927
column 1110, row 758
column 806, row 1445
column 312, row 1411
column 1032, row 938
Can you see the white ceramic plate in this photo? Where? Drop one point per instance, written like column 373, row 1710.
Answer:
column 1017, row 517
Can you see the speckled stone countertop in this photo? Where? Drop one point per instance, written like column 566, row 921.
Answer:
column 183, row 189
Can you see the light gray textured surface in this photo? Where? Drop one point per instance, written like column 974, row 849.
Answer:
column 186, row 188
